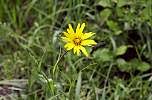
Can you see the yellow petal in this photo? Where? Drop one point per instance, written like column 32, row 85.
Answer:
column 69, row 46
column 82, row 27
column 78, row 28
column 71, row 29
column 72, row 35
column 87, row 35
column 75, row 49
column 66, row 34
column 78, row 50
column 88, row 42
column 66, row 39
column 68, row 30
column 84, row 51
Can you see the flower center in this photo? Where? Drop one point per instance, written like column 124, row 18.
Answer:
column 77, row 41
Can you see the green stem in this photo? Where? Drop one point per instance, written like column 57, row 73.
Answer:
column 57, row 62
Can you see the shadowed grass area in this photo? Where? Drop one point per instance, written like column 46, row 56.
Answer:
column 119, row 66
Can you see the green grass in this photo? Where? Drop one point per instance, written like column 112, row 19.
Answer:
column 119, row 67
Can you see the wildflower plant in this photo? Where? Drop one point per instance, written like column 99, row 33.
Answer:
column 78, row 40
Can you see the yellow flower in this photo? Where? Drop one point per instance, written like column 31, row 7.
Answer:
column 77, row 40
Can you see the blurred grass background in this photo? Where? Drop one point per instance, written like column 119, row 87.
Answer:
column 120, row 67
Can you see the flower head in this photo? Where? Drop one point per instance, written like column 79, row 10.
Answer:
column 76, row 40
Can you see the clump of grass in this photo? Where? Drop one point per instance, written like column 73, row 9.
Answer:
column 120, row 68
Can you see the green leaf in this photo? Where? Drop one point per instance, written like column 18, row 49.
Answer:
column 78, row 87
column 134, row 64
column 143, row 66
column 145, row 14
column 140, row 65
column 121, row 3
column 105, row 14
column 114, row 27
column 121, row 50
column 123, row 65
column 120, row 12
column 105, row 3
column 104, row 55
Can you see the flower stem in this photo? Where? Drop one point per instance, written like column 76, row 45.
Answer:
column 57, row 62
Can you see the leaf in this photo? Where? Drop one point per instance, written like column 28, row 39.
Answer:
column 105, row 14
column 105, row 3
column 121, row 3
column 145, row 14
column 104, row 55
column 78, row 87
column 140, row 65
column 132, row 65
column 114, row 27
column 150, row 97
column 143, row 66
column 123, row 65
column 21, row 83
column 121, row 50
column 120, row 12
